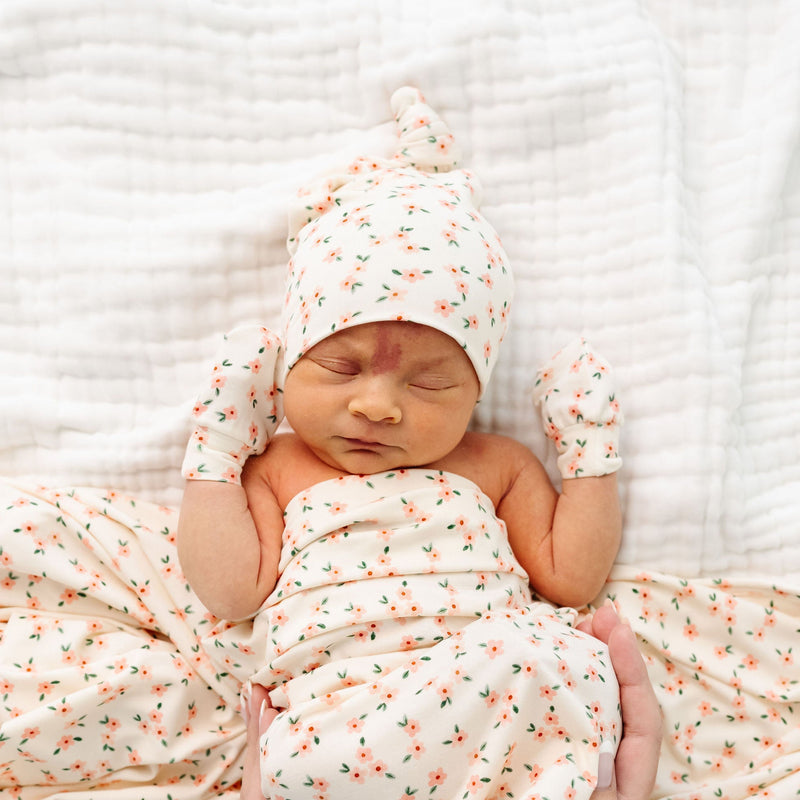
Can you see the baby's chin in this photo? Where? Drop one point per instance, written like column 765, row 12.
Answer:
column 368, row 463
column 367, row 460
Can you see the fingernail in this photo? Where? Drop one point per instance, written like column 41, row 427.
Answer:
column 261, row 711
column 605, row 766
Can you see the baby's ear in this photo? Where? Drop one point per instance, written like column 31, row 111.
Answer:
column 425, row 140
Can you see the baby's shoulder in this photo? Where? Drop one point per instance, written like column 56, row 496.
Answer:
column 284, row 452
column 288, row 467
column 494, row 447
column 491, row 461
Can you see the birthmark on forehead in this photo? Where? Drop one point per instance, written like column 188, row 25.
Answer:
column 388, row 351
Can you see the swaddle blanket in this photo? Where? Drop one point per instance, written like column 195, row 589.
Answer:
column 110, row 683
column 116, row 683
column 405, row 647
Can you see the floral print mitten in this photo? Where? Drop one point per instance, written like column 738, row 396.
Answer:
column 237, row 412
column 577, row 397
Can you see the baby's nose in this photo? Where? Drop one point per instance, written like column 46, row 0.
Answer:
column 376, row 402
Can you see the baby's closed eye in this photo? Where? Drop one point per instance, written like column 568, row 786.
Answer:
column 339, row 366
column 432, row 382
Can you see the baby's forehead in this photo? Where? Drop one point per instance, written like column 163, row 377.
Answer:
column 388, row 343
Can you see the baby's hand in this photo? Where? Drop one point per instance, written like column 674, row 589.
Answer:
column 577, row 397
column 237, row 412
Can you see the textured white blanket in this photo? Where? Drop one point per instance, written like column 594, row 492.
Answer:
column 639, row 159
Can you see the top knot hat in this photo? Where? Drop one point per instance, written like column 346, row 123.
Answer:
column 398, row 239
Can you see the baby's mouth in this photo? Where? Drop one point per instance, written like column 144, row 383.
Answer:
column 363, row 444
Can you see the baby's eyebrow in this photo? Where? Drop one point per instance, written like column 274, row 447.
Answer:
column 431, row 363
column 352, row 351
column 442, row 364
column 331, row 348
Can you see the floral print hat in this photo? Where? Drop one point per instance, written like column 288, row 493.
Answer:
column 398, row 239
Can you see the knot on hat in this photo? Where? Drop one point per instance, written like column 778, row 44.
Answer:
column 398, row 240
column 425, row 143
column 425, row 140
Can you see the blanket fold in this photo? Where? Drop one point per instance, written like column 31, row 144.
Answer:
column 105, row 676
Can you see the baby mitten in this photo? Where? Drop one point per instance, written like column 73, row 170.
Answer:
column 237, row 413
column 577, row 398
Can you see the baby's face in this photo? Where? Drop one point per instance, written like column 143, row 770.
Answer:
column 381, row 396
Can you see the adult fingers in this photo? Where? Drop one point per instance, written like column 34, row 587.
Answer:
column 637, row 757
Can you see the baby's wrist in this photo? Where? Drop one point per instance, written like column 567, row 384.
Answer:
column 588, row 450
column 213, row 456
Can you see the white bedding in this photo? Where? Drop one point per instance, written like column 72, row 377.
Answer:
column 639, row 159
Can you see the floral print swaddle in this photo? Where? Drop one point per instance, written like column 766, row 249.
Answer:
column 410, row 659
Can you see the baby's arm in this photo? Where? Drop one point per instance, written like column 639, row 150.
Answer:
column 229, row 560
column 568, row 542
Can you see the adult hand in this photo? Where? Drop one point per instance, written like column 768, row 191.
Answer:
column 632, row 775
column 258, row 715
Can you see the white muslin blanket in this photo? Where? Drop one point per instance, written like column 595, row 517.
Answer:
column 638, row 159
